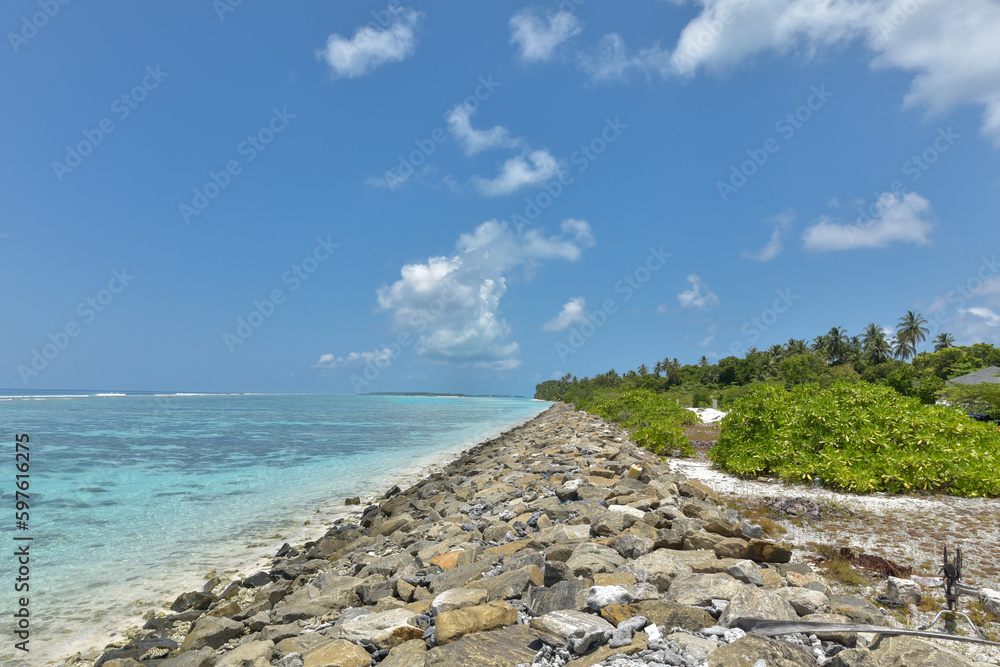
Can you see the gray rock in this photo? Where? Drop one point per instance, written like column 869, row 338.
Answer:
column 746, row 571
column 698, row 590
column 251, row 654
column 204, row 657
column 804, row 600
column 211, row 631
column 752, row 649
column 853, row 657
column 991, row 601
column 631, row 546
column 859, row 611
column 658, row 568
column 599, row 597
column 377, row 628
column 562, row 595
column 912, row 652
column 578, row 629
column 457, row 598
column 757, row 603
column 589, row 559
column 905, row 590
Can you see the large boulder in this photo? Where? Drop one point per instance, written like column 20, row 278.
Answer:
column 383, row 629
column 757, row 603
column 588, row 559
column 252, row 654
column 658, row 568
column 698, row 590
column 456, row 598
column 578, row 629
column 804, row 601
column 856, row 609
column 453, row 625
column 510, row 584
column 337, row 653
column 912, row 652
column 508, row 647
column 211, row 631
column 751, row 649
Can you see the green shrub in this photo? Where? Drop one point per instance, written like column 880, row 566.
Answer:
column 858, row 437
column 655, row 421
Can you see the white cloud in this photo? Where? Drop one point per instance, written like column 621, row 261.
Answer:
column 897, row 220
column 518, row 172
column 782, row 223
column 699, row 296
column 475, row 141
column 370, row 47
column 976, row 324
column 331, row 362
column 451, row 304
column 949, row 46
column 707, row 340
column 573, row 311
column 662, row 309
column 538, row 37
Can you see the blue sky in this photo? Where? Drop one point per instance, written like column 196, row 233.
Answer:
column 339, row 197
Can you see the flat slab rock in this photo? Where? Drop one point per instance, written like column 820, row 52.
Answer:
column 498, row 648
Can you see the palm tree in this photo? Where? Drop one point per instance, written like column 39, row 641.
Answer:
column 943, row 342
column 658, row 368
column 776, row 351
column 796, row 346
column 821, row 345
column 874, row 344
column 643, row 369
column 836, row 344
column 703, row 362
column 910, row 333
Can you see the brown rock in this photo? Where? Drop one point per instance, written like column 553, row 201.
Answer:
column 498, row 648
column 752, row 648
column 337, row 653
column 766, row 551
column 732, row 547
column 453, row 625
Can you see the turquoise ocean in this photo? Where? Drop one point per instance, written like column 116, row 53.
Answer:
column 136, row 498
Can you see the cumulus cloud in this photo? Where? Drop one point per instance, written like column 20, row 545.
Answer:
column 897, row 219
column 977, row 324
column 949, row 46
column 699, row 296
column 371, row 47
column 518, row 172
column 451, row 303
column 331, row 361
column 573, row 311
column 782, row 223
column 475, row 141
column 538, row 37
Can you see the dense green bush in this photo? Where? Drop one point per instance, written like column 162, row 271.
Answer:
column 655, row 421
column 858, row 437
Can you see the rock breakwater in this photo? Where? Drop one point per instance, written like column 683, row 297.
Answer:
column 558, row 543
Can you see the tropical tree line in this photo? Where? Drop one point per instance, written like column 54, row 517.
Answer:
column 876, row 356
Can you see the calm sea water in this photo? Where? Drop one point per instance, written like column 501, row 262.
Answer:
column 136, row 498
